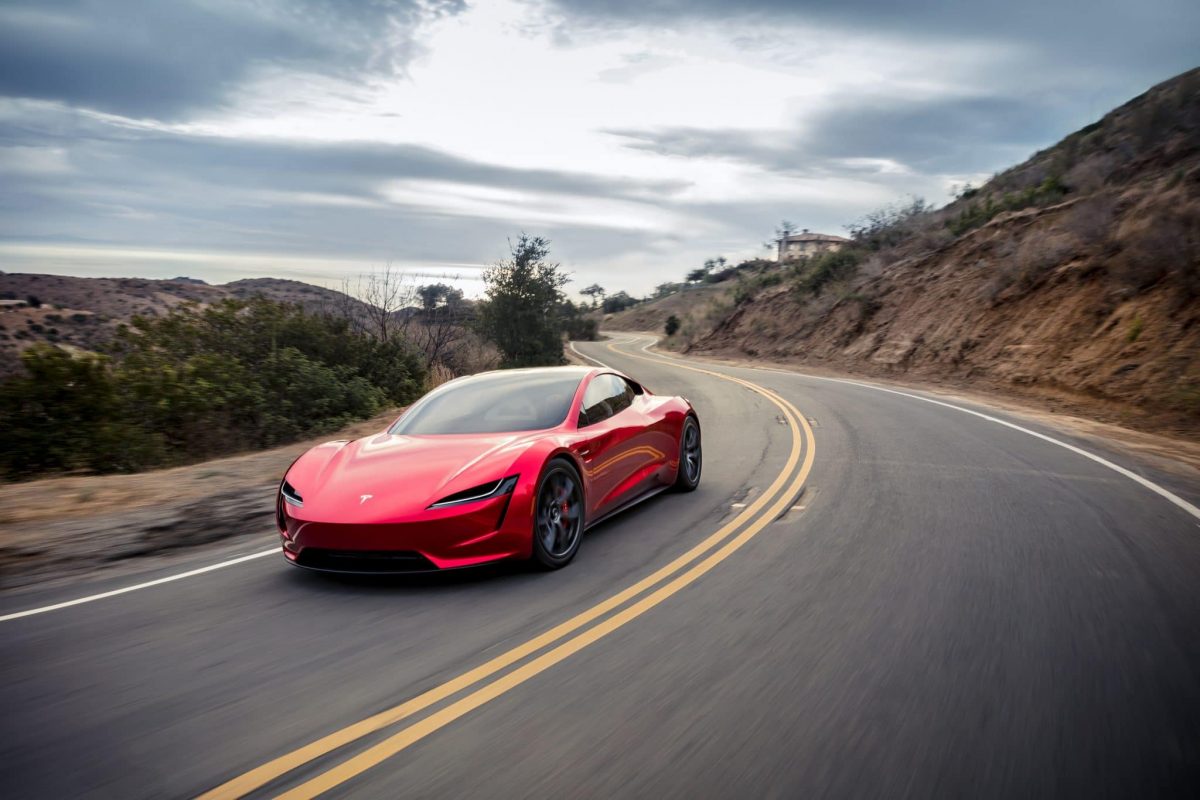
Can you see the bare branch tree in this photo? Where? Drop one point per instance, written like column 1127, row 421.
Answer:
column 389, row 295
column 440, row 324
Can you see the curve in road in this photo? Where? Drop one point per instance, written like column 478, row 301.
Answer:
column 952, row 607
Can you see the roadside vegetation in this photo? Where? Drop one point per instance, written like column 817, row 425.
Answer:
column 204, row 379
column 195, row 384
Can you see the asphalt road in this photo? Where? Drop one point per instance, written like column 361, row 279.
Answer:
column 951, row 607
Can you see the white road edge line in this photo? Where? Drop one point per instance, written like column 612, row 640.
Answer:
column 1133, row 476
column 589, row 358
column 92, row 598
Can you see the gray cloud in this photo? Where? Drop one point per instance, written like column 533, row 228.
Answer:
column 941, row 136
column 149, row 58
column 132, row 187
column 1085, row 55
column 70, row 178
column 1097, row 26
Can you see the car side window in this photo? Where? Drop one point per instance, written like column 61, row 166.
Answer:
column 605, row 396
column 621, row 394
column 631, row 391
column 595, row 406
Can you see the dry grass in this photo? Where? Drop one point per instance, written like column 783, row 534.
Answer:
column 437, row 375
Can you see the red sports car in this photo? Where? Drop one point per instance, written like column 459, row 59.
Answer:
column 508, row 464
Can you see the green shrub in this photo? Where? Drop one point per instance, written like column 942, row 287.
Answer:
column 813, row 274
column 198, row 383
column 581, row 329
column 976, row 214
column 66, row 414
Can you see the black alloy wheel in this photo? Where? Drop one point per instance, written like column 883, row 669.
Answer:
column 691, row 458
column 558, row 519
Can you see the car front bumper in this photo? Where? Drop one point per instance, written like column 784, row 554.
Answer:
column 462, row 536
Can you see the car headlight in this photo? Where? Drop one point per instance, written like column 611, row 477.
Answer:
column 291, row 495
column 484, row 491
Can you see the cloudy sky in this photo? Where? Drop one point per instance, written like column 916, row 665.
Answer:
column 316, row 139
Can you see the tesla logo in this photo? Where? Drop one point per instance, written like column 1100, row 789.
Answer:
column 364, row 498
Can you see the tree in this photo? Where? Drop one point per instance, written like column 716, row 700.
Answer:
column 782, row 231
column 435, row 294
column 520, row 314
column 618, row 302
column 890, row 225
column 701, row 274
column 722, row 272
column 575, row 324
column 386, row 304
column 672, row 325
column 438, row 334
column 386, row 293
column 594, row 291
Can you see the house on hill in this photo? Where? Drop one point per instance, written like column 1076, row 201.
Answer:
column 806, row 243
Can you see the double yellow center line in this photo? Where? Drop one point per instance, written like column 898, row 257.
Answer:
column 567, row 638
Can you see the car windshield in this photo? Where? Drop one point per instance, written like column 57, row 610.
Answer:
column 498, row 403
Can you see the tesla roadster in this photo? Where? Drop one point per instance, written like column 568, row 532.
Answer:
column 513, row 464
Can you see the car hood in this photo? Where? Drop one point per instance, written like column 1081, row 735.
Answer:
column 387, row 478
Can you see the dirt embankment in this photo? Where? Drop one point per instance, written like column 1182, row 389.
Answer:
column 965, row 316
column 1088, row 297
column 57, row 526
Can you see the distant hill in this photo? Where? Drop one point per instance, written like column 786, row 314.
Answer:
column 1074, row 276
column 84, row 312
column 652, row 316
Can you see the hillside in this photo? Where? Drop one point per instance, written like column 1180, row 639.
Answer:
column 84, row 312
column 1073, row 276
column 652, row 316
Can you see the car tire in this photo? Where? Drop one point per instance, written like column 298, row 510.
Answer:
column 558, row 516
column 691, row 456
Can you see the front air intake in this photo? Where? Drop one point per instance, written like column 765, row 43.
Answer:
column 364, row 561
